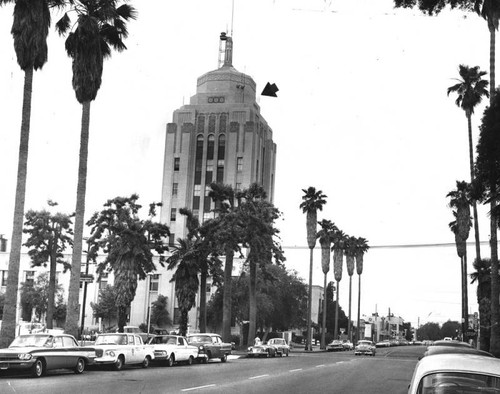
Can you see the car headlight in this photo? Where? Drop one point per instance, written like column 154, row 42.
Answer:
column 24, row 356
column 201, row 348
column 110, row 353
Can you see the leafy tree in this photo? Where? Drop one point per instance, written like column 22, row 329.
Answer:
column 35, row 296
column 333, row 323
column 450, row 329
column 106, row 307
column 129, row 243
column 470, row 91
column 312, row 202
column 487, row 183
column 429, row 332
column 60, row 310
column 2, row 303
column 159, row 312
column 100, row 26
column 48, row 236
column 30, row 29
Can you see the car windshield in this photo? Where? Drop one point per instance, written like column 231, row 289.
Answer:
column 365, row 343
column 200, row 339
column 458, row 382
column 111, row 340
column 31, row 340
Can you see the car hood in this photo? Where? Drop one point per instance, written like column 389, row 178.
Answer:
column 17, row 350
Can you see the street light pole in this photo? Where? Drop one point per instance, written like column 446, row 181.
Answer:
column 149, row 303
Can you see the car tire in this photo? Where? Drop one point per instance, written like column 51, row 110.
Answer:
column 223, row 358
column 287, row 353
column 189, row 360
column 80, row 366
column 146, row 362
column 118, row 365
column 38, row 368
column 170, row 361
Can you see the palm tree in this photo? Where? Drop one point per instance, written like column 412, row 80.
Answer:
column 339, row 244
column 100, row 26
column 29, row 29
column 470, row 91
column 325, row 239
column 350, row 254
column 185, row 277
column 361, row 248
column 482, row 275
column 312, row 201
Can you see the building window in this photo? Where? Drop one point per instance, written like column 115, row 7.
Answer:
column 173, row 213
column 5, row 275
column 29, row 277
column 103, row 281
column 207, row 215
column 154, row 282
column 171, row 239
column 175, row 189
column 197, row 190
column 239, row 164
column 177, row 163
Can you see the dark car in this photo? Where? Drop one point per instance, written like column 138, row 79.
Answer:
column 209, row 346
column 38, row 353
column 335, row 346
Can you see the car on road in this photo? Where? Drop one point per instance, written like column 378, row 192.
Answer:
column 171, row 349
column 282, row 348
column 120, row 349
column 261, row 350
column 432, row 350
column 456, row 373
column 209, row 346
column 335, row 346
column 365, row 347
column 39, row 353
column 347, row 344
column 384, row 343
column 136, row 330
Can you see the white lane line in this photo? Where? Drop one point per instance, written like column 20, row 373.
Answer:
column 295, row 370
column 319, row 366
column 199, row 387
column 259, row 376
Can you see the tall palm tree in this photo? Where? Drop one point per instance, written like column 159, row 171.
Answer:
column 482, row 275
column 339, row 244
column 350, row 254
column 312, row 202
column 29, row 30
column 325, row 240
column 185, row 277
column 361, row 248
column 100, row 26
column 460, row 203
column 470, row 91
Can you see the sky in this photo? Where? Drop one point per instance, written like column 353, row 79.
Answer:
column 361, row 114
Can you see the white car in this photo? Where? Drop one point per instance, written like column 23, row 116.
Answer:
column 365, row 347
column 119, row 349
column 282, row 348
column 171, row 349
column 456, row 373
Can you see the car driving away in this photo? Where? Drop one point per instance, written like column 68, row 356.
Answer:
column 171, row 349
column 39, row 353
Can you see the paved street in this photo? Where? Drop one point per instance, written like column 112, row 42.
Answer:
column 318, row 372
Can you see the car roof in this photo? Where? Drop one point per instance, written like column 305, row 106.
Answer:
column 451, row 343
column 433, row 350
column 454, row 362
column 203, row 333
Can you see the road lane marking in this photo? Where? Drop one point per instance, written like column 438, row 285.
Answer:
column 259, row 376
column 319, row 366
column 199, row 387
column 295, row 370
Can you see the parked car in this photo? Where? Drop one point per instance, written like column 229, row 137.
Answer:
column 209, row 346
column 171, row 349
column 384, row 343
column 456, row 373
column 347, row 344
column 136, row 330
column 261, row 350
column 334, row 346
column 282, row 348
column 38, row 353
column 365, row 347
column 119, row 349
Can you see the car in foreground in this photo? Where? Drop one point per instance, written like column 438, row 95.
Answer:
column 119, row 349
column 282, row 348
column 335, row 346
column 456, row 373
column 171, row 349
column 432, row 350
column 209, row 346
column 39, row 353
column 365, row 347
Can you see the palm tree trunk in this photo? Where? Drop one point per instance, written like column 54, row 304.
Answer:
column 474, row 205
column 73, row 313
column 309, row 301
column 359, row 309
column 10, row 307
column 465, row 308
column 252, row 315
column 336, row 332
column 203, row 301
column 227, row 302
column 122, row 318
column 323, row 326
column 52, row 287
column 349, row 331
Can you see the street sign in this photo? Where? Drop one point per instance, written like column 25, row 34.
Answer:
column 86, row 278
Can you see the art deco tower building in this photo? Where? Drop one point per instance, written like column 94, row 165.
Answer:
column 220, row 136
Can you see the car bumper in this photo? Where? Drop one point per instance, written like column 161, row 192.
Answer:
column 16, row 364
column 105, row 360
